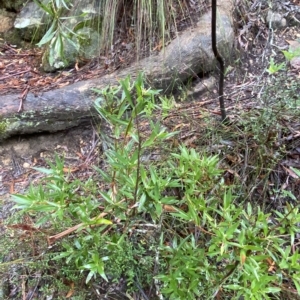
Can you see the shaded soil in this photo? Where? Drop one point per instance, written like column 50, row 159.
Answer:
column 78, row 147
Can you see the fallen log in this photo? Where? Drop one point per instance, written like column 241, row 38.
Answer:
column 186, row 56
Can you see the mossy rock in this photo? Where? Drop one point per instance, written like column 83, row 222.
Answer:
column 3, row 127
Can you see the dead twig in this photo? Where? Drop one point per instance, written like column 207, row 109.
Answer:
column 52, row 239
column 18, row 73
column 23, row 98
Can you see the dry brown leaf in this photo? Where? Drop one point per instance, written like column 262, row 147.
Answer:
column 71, row 170
column 291, row 172
column 295, row 62
column 293, row 44
column 233, row 159
column 76, row 66
column 64, row 84
column 24, row 227
column 169, row 208
column 271, row 263
column 71, row 291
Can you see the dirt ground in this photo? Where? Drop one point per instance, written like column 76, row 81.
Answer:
column 78, row 147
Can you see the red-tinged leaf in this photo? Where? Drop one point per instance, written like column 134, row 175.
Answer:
column 243, row 256
column 23, row 227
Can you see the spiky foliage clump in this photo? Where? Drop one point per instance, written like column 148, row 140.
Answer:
column 146, row 20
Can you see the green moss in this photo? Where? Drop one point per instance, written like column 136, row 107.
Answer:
column 3, row 127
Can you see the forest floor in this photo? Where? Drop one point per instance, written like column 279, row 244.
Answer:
column 246, row 80
column 249, row 90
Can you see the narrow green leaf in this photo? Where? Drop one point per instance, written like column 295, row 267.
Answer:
column 45, row 8
column 89, row 276
column 49, row 34
column 233, row 287
column 58, row 45
column 296, row 171
column 142, row 201
column 125, row 83
column 272, row 289
column 44, row 170
column 22, row 203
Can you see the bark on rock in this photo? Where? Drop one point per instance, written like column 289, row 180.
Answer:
column 186, row 56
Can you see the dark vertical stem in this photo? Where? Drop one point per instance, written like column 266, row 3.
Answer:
column 218, row 57
column 139, row 154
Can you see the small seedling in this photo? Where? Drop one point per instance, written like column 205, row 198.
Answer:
column 274, row 68
column 290, row 54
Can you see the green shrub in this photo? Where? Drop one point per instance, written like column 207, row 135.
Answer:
column 171, row 220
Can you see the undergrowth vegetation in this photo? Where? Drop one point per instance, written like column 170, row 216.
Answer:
column 160, row 220
column 151, row 23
